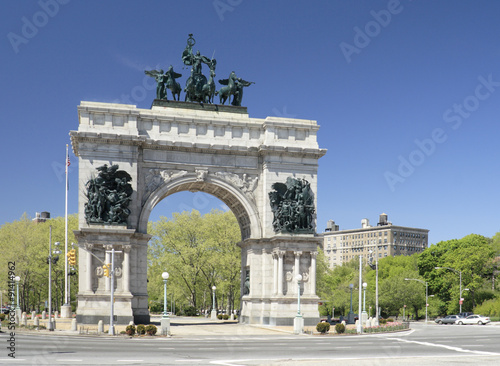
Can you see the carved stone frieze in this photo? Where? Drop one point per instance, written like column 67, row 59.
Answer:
column 245, row 183
column 156, row 177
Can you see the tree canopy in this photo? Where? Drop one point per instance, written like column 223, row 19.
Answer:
column 198, row 252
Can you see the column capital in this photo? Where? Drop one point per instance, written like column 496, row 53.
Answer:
column 126, row 248
column 298, row 253
column 89, row 247
column 314, row 254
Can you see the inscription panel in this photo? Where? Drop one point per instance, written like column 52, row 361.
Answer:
column 181, row 157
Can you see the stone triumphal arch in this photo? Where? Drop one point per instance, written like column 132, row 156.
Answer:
column 264, row 170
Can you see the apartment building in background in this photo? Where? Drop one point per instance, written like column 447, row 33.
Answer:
column 385, row 239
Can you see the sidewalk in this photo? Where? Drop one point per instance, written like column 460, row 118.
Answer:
column 179, row 327
column 185, row 327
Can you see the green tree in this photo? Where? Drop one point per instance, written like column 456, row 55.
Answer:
column 394, row 290
column 26, row 243
column 333, row 286
column 198, row 252
column 472, row 256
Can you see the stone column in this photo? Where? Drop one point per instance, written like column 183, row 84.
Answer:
column 312, row 274
column 280, row 272
column 296, row 270
column 275, row 273
column 126, row 269
column 88, row 284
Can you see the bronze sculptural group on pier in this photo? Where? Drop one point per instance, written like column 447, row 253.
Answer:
column 198, row 88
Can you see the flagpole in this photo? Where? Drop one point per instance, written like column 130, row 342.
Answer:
column 66, row 233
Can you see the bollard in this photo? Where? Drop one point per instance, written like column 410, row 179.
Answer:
column 33, row 315
column 74, row 325
column 36, row 323
column 44, row 315
column 56, row 314
column 100, row 327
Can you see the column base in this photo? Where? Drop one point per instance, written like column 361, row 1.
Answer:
column 66, row 311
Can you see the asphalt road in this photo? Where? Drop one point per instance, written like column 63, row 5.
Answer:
column 422, row 345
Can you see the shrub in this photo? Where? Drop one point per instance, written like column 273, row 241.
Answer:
column 225, row 317
column 130, row 329
column 323, row 327
column 382, row 321
column 219, row 316
column 141, row 329
column 2, row 316
column 489, row 308
column 339, row 328
column 151, row 329
column 389, row 320
column 190, row 311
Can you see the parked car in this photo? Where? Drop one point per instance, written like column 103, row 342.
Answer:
column 473, row 319
column 5, row 310
column 465, row 315
column 449, row 319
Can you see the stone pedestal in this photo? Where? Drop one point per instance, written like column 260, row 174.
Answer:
column 213, row 315
column 364, row 318
column 66, row 311
column 165, row 326
column 298, row 325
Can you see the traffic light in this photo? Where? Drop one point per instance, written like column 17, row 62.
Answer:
column 106, row 270
column 72, row 257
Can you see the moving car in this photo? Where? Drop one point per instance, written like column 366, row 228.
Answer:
column 449, row 319
column 473, row 319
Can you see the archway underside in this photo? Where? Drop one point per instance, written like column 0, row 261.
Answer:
column 225, row 196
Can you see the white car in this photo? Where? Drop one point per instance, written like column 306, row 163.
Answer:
column 473, row 319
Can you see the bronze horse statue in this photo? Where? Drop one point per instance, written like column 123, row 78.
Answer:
column 234, row 86
column 165, row 81
column 171, row 84
column 208, row 89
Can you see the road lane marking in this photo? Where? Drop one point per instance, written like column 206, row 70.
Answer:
column 68, row 360
column 129, row 360
column 458, row 349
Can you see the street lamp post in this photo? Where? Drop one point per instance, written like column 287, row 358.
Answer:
column 426, row 294
column 298, row 278
column 376, row 284
column 17, row 279
column 360, row 319
column 165, row 320
column 350, row 316
column 18, row 309
column 460, row 274
column 364, row 314
column 298, row 322
column 165, row 275
column 213, row 315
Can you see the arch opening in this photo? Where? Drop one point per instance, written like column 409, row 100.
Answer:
column 238, row 203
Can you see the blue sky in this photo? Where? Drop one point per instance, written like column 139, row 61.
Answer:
column 407, row 94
